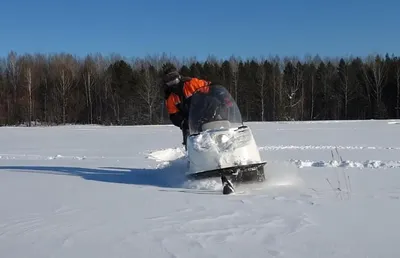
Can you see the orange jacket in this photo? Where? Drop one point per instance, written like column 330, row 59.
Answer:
column 189, row 87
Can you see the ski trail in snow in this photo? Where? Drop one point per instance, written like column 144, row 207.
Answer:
column 9, row 156
column 323, row 147
column 374, row 164
column 360, row 164
column 170, row 154
column 34, row 157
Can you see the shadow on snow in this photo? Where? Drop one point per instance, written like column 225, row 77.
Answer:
column 171, row 175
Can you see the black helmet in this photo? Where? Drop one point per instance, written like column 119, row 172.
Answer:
column 171, row 77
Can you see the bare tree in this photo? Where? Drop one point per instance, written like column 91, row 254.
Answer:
column 44, row 80
column 28, row 78
column 329, row 79
column 312, row 77
column 3, row 92
column 347, row 85
column 13, row 75
column 13, row 72
column 235, row 77
column 375, row 71
column 100, row 86
column 89, row 78
column 397, row 65
column 148, row 89
column 294, row 83
column 277, row 85
column 65, row 72
column 109, row 96
column 261, row 78
column 300, row 84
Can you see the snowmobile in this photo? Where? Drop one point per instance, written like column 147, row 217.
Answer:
column 218, row 144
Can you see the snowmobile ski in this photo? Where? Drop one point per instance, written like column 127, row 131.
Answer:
column 241, row 173
column 227, row 187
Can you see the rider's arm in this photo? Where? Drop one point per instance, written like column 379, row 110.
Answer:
column 177, row 119
column 174, row 115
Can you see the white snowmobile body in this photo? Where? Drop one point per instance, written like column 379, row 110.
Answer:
column 218, row 142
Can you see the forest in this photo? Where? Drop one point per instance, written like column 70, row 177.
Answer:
column 54, row 89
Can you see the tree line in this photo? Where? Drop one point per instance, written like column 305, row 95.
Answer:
column 113, row 90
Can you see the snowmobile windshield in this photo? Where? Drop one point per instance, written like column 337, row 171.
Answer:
column 213, row 108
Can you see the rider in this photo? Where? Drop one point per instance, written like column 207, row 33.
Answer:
column 177, row 93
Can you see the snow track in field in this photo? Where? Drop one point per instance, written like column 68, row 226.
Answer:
column 360, row 164
column 170, row 154
column 376, row 164
column 324, row 147
column 40, row 157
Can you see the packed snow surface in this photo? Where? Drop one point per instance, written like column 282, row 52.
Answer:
column 333, row 190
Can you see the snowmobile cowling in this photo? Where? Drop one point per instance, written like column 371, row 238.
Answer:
column 218, row 142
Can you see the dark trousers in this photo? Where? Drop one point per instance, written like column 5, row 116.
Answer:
column 185, row 133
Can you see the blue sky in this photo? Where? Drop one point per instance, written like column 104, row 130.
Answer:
column 200, row 28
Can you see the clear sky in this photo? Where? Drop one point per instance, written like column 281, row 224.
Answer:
column 200, row 28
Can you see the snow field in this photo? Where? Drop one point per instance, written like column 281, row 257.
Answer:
column 94, row 191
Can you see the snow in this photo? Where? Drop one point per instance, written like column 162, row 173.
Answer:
column 97, row 191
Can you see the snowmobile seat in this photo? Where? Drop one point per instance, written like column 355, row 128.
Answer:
column 216, row 125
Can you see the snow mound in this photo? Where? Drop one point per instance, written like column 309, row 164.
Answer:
column 173, row 164
column 168, row 154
